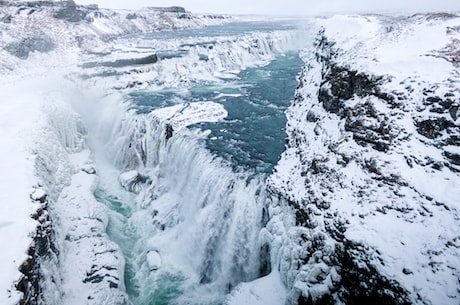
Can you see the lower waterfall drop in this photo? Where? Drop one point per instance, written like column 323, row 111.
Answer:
column 187, row 196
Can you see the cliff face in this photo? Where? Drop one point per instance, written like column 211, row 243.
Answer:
column 371, row 172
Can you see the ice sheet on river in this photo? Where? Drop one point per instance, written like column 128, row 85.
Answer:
column 183, row 115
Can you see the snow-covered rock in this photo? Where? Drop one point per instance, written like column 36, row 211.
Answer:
column 366, row 194
column 268, row 290
column 153, row 260
column 132, row 180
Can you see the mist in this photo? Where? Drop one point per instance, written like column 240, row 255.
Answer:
column 289, row 7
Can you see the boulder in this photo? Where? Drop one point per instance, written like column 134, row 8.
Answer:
column 39, row 195
column 153, row 260
column 132, row 180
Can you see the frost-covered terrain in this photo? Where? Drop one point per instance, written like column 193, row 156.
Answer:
column 371, row 171
column 113, row 196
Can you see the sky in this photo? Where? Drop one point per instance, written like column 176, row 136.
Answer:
column 287, row 7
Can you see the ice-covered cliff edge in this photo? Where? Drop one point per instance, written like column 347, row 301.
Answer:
column 371, row 171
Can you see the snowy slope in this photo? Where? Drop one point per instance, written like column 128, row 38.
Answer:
column 17, row 180
column 371, row 172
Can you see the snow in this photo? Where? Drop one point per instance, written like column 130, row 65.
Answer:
column 90, row 262
column 268, row 290
column 411, row 225
column 45, row 153
column 183, row 115
column 19, row 114
column 154, row 260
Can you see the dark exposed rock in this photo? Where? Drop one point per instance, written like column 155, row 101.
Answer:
column 453, row 158
column 170, row 9
column 341, row 84
column 69, row 11
column 378, row 132
column 264, row 260
column 433, row 99
column 120, row 63
column 38, row 43
column 360, row 282
column 43, row 246
column 330, row 103
column 446, row 103
column 453, row 111
column 99, row 274
column 132, row 16
column 312, row 117
column 432, row 128
column 407, row 271
column 169, row 131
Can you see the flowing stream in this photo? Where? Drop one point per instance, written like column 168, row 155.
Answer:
column 190, row 231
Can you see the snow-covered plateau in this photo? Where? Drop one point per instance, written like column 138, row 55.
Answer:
column 111, row 197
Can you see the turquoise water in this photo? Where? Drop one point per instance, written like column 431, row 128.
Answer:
column 252, row 136
column 207, row 204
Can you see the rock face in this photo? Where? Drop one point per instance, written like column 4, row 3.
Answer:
column 372, row 147
column 43, row 246
column 40, row 42
column 119, row 63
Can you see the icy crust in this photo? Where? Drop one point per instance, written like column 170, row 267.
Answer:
column 186, row 61
column 183, row 115
column 76, row 261
column 92, row 266
column 370, row 175
column 268, row 290
column 27, row 29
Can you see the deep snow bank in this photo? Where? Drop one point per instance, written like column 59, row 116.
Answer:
column 365, row 205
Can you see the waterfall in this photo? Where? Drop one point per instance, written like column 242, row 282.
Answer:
column 193, row 209
column 188, row 221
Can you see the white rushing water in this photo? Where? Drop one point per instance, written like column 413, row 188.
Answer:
column 185, row 214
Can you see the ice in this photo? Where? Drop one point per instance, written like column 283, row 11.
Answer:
column 267, row 290
column 183, row 115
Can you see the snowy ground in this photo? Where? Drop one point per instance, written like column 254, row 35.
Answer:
column 18, row 116
column 399, row 203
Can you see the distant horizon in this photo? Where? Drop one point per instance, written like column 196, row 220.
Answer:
column 288, row 7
